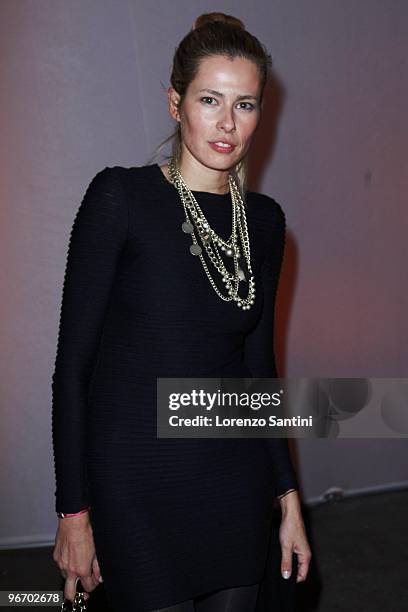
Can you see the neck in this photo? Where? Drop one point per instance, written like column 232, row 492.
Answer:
column 201, row 178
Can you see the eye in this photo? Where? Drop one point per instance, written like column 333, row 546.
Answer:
column 207, row 98
column 251, row 106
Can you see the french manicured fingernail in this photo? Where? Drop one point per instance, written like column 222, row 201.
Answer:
column 100, row 579
column 286, row 574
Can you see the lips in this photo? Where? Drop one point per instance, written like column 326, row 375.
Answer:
column 223, row 142
column 222, row 146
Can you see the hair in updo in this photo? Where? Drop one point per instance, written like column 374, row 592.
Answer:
column 214, row 34
column 213, row 17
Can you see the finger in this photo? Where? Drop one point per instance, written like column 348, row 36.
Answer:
column 286, row 562
column 70, row 587
column 89, row 583
column 96, row 570
column 303, row 569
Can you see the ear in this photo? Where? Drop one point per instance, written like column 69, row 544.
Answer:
column 174, row 101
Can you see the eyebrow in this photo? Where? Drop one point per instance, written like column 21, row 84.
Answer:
column 221, row 95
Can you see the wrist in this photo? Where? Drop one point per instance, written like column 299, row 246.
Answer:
column 64, row 515
column 289, row 502
column 286, row 493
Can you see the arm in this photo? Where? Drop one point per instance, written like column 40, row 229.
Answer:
column 97, row 237
column 261, row 362
column 259, row 350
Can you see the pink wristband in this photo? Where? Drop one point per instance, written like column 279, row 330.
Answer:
column 64, row 515
column 283, row 495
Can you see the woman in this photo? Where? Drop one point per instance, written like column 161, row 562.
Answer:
column 174, row 524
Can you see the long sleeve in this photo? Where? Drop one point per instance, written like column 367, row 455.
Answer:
column 259, row 348
column 97, row 238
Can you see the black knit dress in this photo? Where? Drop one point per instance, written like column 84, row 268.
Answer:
column 172, row 518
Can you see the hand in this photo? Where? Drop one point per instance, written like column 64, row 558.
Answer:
column 292, row 537
column 74, row 553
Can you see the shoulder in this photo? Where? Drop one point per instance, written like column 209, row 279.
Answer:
column 104, row 179
column 116, row 186
column 269, row 223
column 129, row 172
column 104, row 197
column 265, row 208
column 112, row 182
column 125, row 178
column 119, row 173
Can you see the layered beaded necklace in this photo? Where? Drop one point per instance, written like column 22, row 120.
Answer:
column 213, row 244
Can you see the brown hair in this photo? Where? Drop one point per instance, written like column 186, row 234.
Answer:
column 214, row 34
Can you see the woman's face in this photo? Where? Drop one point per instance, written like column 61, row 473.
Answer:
column 221, row 103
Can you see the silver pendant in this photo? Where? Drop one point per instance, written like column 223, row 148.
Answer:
column 195, row 249
column 187, row 227
column 241, row 275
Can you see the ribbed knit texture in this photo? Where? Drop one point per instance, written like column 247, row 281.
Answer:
column 172, row 518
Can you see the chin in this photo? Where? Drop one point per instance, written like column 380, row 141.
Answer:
column 219, row 164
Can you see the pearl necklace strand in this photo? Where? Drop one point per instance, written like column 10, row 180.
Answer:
column 213, row 243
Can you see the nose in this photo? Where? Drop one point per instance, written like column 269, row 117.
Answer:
column 226, row 121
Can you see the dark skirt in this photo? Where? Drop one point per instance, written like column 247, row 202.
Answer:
column 238, row 599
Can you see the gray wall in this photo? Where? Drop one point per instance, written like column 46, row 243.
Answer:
column 83, row 86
